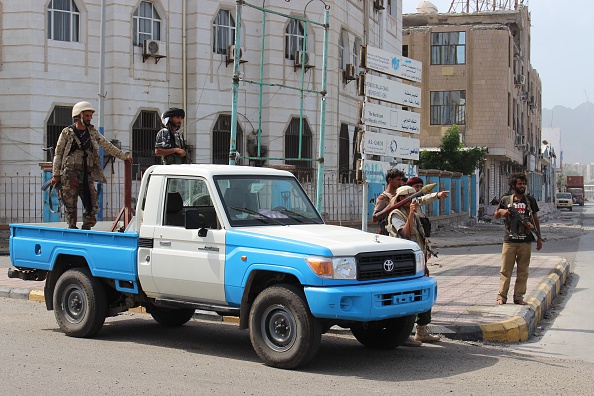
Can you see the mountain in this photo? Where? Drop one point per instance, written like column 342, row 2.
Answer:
column 577, row 131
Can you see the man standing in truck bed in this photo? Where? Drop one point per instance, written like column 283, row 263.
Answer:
column 170, row 144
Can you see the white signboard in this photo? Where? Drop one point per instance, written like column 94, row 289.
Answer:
column 392, row 91
column 375, row 171
column 394, row 65
column 392, row 146
column 391, row 118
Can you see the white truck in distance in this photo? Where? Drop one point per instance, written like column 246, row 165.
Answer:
column 239, row 241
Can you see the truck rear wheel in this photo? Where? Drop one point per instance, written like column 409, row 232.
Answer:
column 80, row 306
column 387, row 334
column 172, row 317
column 283, row 331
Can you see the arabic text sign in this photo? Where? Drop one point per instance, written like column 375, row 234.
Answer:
column 392, row 91
column 391, row 118
column 394, row 65
column 392, row 146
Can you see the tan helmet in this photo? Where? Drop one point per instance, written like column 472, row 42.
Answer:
column 80, row 107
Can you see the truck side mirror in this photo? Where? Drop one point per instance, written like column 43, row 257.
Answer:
column 194, row 221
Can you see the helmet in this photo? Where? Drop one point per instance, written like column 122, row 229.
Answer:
column 80, row 107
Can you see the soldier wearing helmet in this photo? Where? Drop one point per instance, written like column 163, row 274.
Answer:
column 77, row 165
column 170, row 144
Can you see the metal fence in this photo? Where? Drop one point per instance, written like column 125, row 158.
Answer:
column 22, row 201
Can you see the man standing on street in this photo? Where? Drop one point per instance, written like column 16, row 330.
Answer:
column 394, row 179
column 170, row 144
column 77, row 165
column 519, row 211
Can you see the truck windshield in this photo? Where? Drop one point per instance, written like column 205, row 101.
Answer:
column 564, row 195
column 265, row 200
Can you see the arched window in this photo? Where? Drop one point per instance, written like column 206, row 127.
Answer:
column 292, row 146
column 344, row 153
column 60, row 118
column 146, row 23
column 63, row 20
column 343, row 46
column 144, row 132
column 294, row 38
column 221, row 137
column 223, row 32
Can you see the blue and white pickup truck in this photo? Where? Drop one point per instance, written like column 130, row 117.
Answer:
column 239, row 241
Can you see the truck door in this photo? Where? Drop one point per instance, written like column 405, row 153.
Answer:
column 184, row 264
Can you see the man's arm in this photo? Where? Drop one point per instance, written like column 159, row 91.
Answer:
column 57, row 160
column 162, row 152
column 406, row 231
column 381, row 203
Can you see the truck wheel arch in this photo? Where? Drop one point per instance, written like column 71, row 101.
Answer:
column 62, row 263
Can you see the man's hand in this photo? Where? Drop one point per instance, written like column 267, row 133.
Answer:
column 538, row 244
column 56, row 180
column 181, row 152
column 442, row 194
column 502, row 212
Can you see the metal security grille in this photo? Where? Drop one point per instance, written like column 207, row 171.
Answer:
column 221, row 136
column 144, row 133
column 373, row 265
column 292, row 144
column 60, row 118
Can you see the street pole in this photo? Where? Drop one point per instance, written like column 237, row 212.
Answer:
column 101, row 97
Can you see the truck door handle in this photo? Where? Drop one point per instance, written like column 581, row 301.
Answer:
column 165, row 243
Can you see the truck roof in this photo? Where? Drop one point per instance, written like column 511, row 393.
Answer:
column 213, row 170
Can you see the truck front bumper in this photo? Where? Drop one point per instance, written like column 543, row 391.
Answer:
column 365, row 303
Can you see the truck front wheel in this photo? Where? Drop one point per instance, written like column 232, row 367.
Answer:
column 387, row 334
column 283, row 331
column 80, row 305
column 172, row 317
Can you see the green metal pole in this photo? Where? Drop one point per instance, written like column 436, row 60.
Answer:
column 320, row 182
column 258, row 154
column 232, row 140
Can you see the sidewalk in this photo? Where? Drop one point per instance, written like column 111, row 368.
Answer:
column 467, row 285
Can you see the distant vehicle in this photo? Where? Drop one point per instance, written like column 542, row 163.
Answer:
column 575, row 186
column 564, row 200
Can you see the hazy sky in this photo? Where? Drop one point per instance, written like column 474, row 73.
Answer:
column 562, row 47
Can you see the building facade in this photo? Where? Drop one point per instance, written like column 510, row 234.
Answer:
column 160, row 54
column 477, row 74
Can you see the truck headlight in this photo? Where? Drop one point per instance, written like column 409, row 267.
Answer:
column 420, row 259
column 333, row 268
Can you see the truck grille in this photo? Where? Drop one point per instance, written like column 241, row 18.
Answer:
column 380, row 265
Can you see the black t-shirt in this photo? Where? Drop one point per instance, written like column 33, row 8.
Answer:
column 515, row 231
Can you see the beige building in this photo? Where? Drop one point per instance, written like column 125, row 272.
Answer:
column 477, row 75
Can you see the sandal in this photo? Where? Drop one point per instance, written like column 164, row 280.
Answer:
column 520, row 302
column 500, row 301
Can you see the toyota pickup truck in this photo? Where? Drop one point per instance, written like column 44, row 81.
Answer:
column 238, row 241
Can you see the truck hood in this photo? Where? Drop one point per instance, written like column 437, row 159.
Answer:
column 341, row 241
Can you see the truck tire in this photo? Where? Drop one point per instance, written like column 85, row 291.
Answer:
column 390, row 334
column 80, row 305
column 172, row 317
column 283, row 331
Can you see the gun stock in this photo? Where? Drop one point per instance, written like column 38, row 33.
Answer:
column 386, row 211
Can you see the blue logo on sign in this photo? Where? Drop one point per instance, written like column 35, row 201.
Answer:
column 393, row 146
column 395, row 63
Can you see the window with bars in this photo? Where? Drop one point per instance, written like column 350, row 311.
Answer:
column 146, row 23
column 292, row 145
column 448, row 48
column 347, row 154
column 63, row 20
column 60, row 118
column 144, row 132
column 448, row 107
column 223, row 32
column 294, row 39
column 221, row 139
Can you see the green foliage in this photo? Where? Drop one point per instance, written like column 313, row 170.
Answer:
column 452, row 155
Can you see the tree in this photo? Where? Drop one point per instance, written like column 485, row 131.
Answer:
column 452, row 155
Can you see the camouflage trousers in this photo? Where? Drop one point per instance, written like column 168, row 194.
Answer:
column 72, row 188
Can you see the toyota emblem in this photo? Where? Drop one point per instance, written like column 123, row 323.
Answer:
column 388, row 265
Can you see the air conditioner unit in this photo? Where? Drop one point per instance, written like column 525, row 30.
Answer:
column 378, row 4
column 304, row 58
column 350, row 72
column 520, row 80
column 231, row 53
column 154, row 48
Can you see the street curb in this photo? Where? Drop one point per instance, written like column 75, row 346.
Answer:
column 520, row 327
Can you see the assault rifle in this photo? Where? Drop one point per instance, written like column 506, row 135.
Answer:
column 386, row 211
column 526, row 222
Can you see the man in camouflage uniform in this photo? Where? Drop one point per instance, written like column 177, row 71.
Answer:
column 170, row 144
column 77, row 165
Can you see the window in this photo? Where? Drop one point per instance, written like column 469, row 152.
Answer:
column 223, row 32
column 221, row 139
column 294, row 39
column 448, row 48
column 342, row 45
column 63, row 20
column 144, row 132
column 448, row 107
column 292, row 146
column 356, row 49
column 392, row 10
column 60, row 118
column 146, row 23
